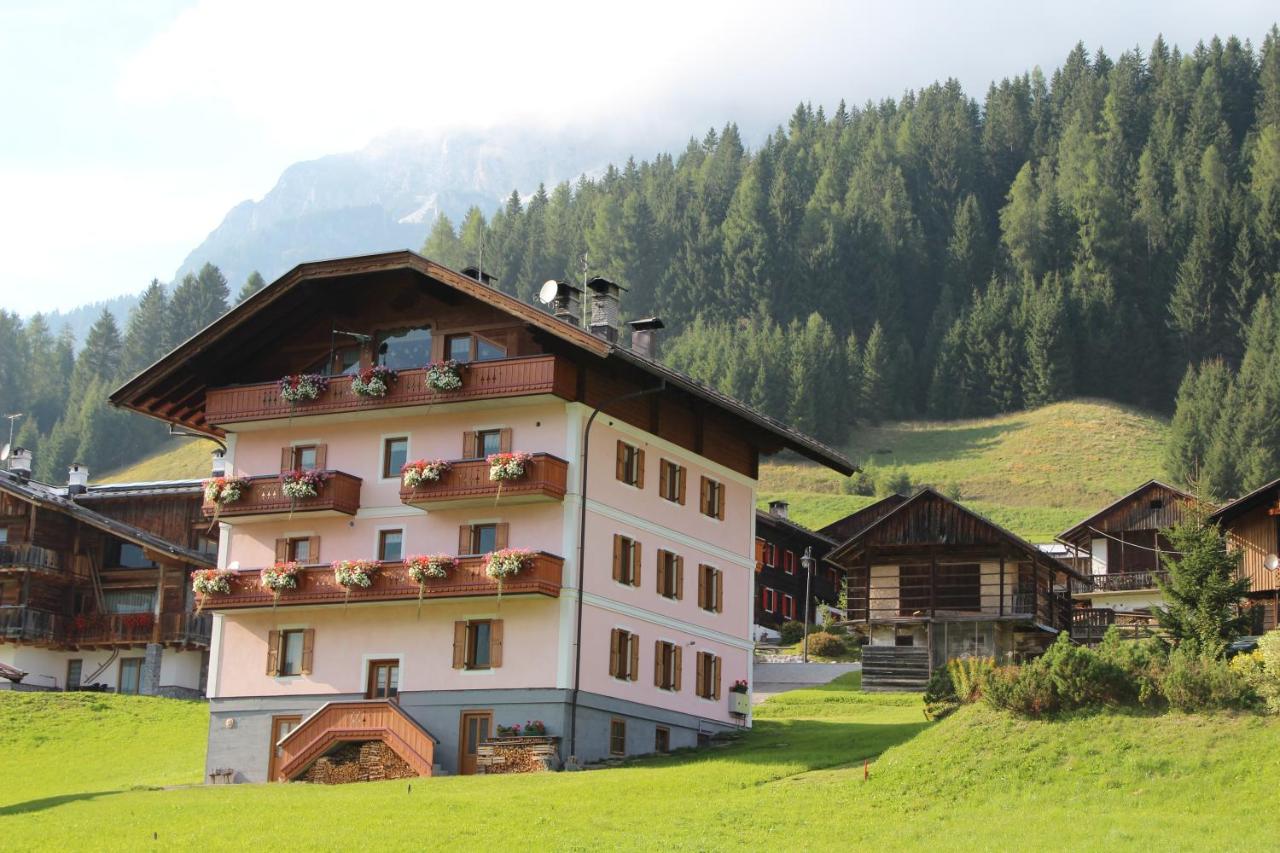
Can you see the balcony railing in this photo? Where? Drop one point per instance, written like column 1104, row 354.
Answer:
column 338, row 495
column 316, row 585
column 467, row 482
column 31, row 625
column 1119, row 582
column 508, row 377
column 29, row 557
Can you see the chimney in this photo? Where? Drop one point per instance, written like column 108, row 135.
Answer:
column 218, row 463
column 479, row 275
column 77, row 479
column 779, row 509
column 565, row 301
column 20, row 463
column 644, row 337
column 605, row 298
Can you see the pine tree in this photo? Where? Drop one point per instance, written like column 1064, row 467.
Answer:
column 147, row 335
column 442, row 244
column 197, row 301
column 876, row 395
column 1204, row 590
column 252, row 285
column 1048, row 375
column 1198, row 408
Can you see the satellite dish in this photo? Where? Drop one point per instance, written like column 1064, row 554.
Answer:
column 1272, row 562
column 547, row 293
column 4, row 452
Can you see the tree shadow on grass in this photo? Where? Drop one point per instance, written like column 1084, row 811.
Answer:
column 908, row 447
column 53, row 802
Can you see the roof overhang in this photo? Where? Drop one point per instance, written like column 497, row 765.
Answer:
column 1071, row 534
column 1246, row 503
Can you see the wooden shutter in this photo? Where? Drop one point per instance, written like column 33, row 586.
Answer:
column 662, row 572
column 657, row 663
column 720, row 501
column 615, row 643
column 469, row 445
column 681, row 475
column 759, row 553
column 719, row 579
column 703, row 497
column 459, row 645
column 636, row 562
column 464, row 539
column 621, row 467
column 617, row 557
column 677, row 676
column 715, row 677
column 495, row 643
column 313, row 549
column 663, row 480
column 504, row 440
column 702, row 587
column 701, row 674
column 679, row 578
column 639, row 468
column 500, row 535
column 282, row 550
column 286, row 459
column 634, row 672
column 322, row 457
column 273, row 653
column 308, row 649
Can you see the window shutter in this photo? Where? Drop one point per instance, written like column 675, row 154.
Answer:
column 635, row 563
column 703, row 502
column 663, row 480
column 313, row 549
column 702, row 587
column 308, row 649
column 701, row 674
column 459, row 645
column 273, row 653
column 679, row 579
column 617, row 557
column 657, row 663
column 681, row 476
column 639, row 469
column 662, row 572
column 286, row 459
column 615, row 640
column 720, row 501
column 282, row 550
column 504, row 440
column 322, row 457
column 464, row 539
column 469, row 445
column 621, row 468
column 495, row 643
column 715, row 677
column 718, row 576
column 500, row 535
column 634, row 672
column 677, row 676
column 759, row 552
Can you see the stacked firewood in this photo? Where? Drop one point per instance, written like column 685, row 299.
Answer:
column 518, row 755
column 370, row 761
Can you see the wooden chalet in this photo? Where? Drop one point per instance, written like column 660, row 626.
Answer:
column 928, row 580
column 1252, row 523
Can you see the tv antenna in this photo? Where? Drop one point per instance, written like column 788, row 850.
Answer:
column 13, row 418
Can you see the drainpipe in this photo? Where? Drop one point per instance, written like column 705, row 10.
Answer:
column 582, row 569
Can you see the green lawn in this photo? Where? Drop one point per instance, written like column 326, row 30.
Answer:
column 975, row 781
column 1035, row 472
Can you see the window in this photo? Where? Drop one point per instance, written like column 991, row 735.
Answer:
column 4, row 535
column 481, row 538
column 130, row 676
column 291, row 643
column 666, row 665
column 488, row 442
column 630, row 468
column 477, row 644
column 770, row 555
column 304, row 457
column 712, row 501
column 384, row 679
column 710, row 588
column 670, row 575
column 395, row 452
column 788, row 607
column 126, row 555
column 661, row 739
column 708, row 684
column 617, row 737
column 626, row 560
column 298, row 549
column 769, row 600
column 904, row 637
column 463, row 348
column 290, row 652
column 207, row 545
column 346, row 360
column 129, row 600
column 789, row 562
column 624, row 655
column 390, row 546
column 671, row 481
column 404, row 349
column 75, row 667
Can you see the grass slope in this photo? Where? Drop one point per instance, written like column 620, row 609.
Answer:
column 974, row 781
column 181, row 459
column 1035, row 472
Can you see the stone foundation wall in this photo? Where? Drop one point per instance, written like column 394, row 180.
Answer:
column 370, row 761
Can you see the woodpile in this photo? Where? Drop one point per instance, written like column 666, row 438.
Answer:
column 518, row 755
column 370, row 761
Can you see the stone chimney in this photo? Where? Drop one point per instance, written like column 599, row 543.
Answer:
column 218, row 463
column 20, row 463
column 479, row 275
column 644, row 337
column 606, row 297
column 567, row 303
column 779, row 509
column 77, row 479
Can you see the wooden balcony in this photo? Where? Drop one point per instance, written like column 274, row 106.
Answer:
column 467, row 483
column 265, row 500
column 316, row 585
column 1119, row 582
column 103, row 630
column 346, row 722
column 482, row 380
column 29, row 558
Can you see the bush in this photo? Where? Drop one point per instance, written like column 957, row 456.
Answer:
column 1140, row 662
column 860, row 483
column 940, row 695
column 826, row 645
column 792, row 632
column 1268, row 683
column 1026, row 689
column 967, row 675
column 1082, row 677
column 1196, row 682
column 893, row 481
column 829, row 625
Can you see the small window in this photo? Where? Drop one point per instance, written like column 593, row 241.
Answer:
column 661, row 739
column 666, row 666
column 4, row 535
column 395, row 452
column 789, row 562
column 712, row 502
column 346, row 361
column 630, row 468
column 708, row 686
column 405, row 349
column 463, row 348
column 617, row 737
column 207, row 545
column 390, row 545
column 671, row 481
column 384, row 679
column 488, row 442
column 129, row 600
column 126, row 555
column 626, row 555
column 1157, row 503
column 710, row 588
column 904, row 637
column 479, row 644
column 770, row 555
column 670, row 575
column 304, row 457
column 788, row 607
column 484, row 538
column 458, row 347
column 75, row 667
column 769, row 600
column 298, row 550
column 291, row 643
column 624, row 655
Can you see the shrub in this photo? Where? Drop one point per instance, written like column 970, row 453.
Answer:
column 1141, row 663
column 826, row 645
column 952, row 490
column 860, row 483
column 1026, row 689
column 1195, row 682
column 1082, row 677
column 792, row 632
column 940, row 694
column 967, row 675
column 1268, row 684
column 893, row 481
column 829, row 625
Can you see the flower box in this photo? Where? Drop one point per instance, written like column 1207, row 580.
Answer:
column 211, row 582
column 426, row 566
column 280, row 577
column 373, row 381
column 353, row 573
column 302, row 387
column 224, row 490
column 420, row 471
column 739, row 703
column 507, row 466
column 444, row 376
column 300, row 485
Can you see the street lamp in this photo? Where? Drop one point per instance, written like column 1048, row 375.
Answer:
column 807, row 563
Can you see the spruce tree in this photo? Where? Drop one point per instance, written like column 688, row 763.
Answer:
column 252, row 285
column 1204, row 590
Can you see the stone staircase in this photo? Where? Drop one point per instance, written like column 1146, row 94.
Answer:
column 894, row 668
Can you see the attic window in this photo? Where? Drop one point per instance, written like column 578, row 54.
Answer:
column 1157, row 503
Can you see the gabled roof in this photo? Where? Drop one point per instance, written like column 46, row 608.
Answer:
column 1245, row 503
column 849, row 526
column 174, row 373
column 947, row 523
column 46, row 497
column 1084, row 526
column 763, row 515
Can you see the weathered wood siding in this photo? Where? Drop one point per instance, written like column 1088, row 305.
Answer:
column 1255, row 535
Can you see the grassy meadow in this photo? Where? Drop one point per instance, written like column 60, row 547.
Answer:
column 87, row 772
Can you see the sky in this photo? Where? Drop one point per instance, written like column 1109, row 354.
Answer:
column 132, row 127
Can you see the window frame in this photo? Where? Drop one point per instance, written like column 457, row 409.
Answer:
column 710, row 588
column 473, row 347
column 477, row 534
column 481, row 435
column 370, row 681
column 295, row 456
column 769, row 599
column 617, row 737
column 291, row 552
column 132, row 662
column 628, row 645
column 78, row 663
column 789, row 561
column 380, row 339
column 471, row 649
column 282, row 651
column 381, row 544
column 628, row 562
column 708, row 685
column 661, row 740
column 788, row 606
column 670, row 575
column 713, row 498
column 672, row 477
column 632, row 464
column 666, row 655
column 385, row 454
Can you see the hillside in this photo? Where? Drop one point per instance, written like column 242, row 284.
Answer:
column 178, row 459
column 1166, row 781
column 1036, row 472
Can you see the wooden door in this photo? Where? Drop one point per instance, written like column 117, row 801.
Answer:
column 476, row 727
column 280, row 726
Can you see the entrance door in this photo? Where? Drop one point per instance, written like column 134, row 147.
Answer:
column 280, row 726
column 476, row 726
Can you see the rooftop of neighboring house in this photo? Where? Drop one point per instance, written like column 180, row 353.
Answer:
column 1152, row 506
column 1264, row 495
column 776, row 517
